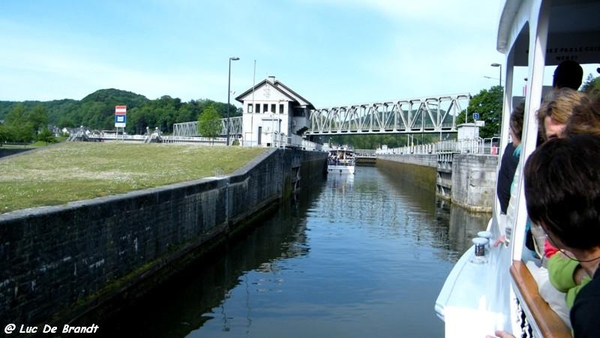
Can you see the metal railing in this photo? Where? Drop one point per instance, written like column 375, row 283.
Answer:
column 191, row 128
column 468, row 146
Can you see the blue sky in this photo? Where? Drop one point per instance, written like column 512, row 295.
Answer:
column 332, row 52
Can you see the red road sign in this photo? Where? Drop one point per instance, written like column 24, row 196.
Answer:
column 120, row 110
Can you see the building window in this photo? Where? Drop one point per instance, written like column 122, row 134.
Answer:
column 265, row 107
column 273, row 106
column 250, row 109
column 281, row 109
column 258, row 108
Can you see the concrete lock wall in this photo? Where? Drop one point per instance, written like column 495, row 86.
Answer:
column 422, row 176
column 57, row 262
column 474, row 181
column 427, row 160
column 470, row 181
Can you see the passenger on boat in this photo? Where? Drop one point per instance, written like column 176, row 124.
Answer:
column 557, row 106
column 556, row 283
column 555, row 111
column 509, row 163
column 510, row 158
column 586, row 117
column 568, row 74
column 565, row 274
column 562, row 192
column 552, row 119
column 553, row 115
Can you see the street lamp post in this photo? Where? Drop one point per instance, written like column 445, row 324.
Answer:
column 500, row 103
column 500, row 77
column 229, row 94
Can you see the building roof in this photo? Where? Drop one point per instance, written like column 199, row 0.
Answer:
column 280, row 88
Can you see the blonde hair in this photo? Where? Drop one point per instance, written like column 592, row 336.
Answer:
column 586, row 117
column 559, row 105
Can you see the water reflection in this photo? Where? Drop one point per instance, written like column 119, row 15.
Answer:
column 185, row 303
column 361, row 255
column 463, row 228
column 452, row 227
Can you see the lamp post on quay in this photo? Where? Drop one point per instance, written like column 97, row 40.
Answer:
column 229, row 93
column 500, row 73
column 500, row 98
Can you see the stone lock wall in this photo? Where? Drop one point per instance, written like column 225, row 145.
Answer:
column 474, row 181
column 468, row 180
column 422, row 176
column 56, row 262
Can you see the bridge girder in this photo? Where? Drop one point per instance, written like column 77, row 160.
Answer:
column 190, row 129
column 421, row 115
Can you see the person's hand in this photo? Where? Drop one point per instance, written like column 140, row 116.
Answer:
column 500, row 239
column 501, row 334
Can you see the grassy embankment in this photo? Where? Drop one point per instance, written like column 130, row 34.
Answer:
column 77, row 171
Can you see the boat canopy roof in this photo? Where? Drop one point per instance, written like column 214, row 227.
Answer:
column 573, row 32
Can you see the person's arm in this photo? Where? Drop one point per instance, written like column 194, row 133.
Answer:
column 501, row 334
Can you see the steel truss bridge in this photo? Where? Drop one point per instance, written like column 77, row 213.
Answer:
column 190, row 129
column 422, row 115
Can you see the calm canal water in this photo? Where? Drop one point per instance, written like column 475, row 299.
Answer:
column 361, row 256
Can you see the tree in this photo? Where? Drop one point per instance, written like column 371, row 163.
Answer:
column 18, row 125
column 209, row 124
column 590, row 84
column 16, row 116
column 185, row 114
column 488, row 104
column 46, row 136
column 22, row 133
column 38, row 118
column 5, row 134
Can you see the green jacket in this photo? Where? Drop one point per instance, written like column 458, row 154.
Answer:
column 560, row 273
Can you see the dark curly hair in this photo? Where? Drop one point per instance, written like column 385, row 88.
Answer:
column 562, row 189
column 516, row 120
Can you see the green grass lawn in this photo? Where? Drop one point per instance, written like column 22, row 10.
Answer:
column 79, row 170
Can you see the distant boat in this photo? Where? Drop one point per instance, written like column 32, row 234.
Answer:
column 341, row 162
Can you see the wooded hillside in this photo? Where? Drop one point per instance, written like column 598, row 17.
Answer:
column 96, row 111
